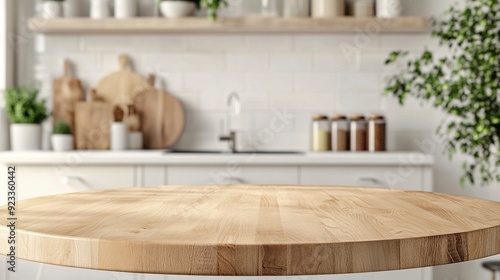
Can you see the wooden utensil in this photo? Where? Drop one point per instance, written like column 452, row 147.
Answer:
column 121, row 87
column 68, row 91
column 92, row 124
column 162, row 117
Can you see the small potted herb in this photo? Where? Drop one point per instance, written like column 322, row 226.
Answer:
column 26, row 114
column 185, row 8
column 62, row 138
column 52, row 9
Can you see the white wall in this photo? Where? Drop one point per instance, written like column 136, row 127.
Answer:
column 307, row 74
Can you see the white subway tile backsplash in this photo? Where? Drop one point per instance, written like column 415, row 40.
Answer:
column 303, row 74
column 408, row 42
column 291, row 62
column 247, row 62
column 192, row 62
column 316, row 82
column 269, row 82
column 217, row 43
column 268, row 43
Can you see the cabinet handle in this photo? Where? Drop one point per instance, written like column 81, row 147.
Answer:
column 372, row 181
column 68, row 178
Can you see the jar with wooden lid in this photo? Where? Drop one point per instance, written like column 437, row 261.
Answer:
column 340, row 133
column 321, row 134
column 361, row 8
column 328, row 8
column 376, row 133
column 358, row 133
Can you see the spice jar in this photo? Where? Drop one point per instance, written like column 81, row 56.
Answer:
column 340, row 133
column 358, row 126
column 376, row 133
column 321, row 134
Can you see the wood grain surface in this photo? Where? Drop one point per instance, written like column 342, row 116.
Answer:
column 254, row 230
column 162, row 115
column 68, row 91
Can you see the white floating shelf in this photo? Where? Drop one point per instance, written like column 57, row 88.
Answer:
column 229, row 25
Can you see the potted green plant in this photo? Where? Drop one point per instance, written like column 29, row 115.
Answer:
column 185, row 8
column 52, row 9
column 62, row 138
column 26, row 114
column 464, row 83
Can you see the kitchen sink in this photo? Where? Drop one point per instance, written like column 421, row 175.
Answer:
column 229, row 152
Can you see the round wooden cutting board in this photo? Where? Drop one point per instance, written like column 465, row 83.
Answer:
column 249, row 230
column 162, row 115
column 120, row 88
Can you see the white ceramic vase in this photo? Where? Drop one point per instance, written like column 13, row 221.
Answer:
column 100, row 9
column 389, row 8
column 328, row 8
column 72, row 8
column 26, row 137
column 119, row 136
column 125, row 8
column 177, row 9
column 62, row 142
column 296, row 8
column 51, row 9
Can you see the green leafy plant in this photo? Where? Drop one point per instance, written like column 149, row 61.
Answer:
column 62, row 128
column 23, row 106
column 464, row 83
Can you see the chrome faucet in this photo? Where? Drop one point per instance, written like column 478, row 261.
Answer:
column 233, row 109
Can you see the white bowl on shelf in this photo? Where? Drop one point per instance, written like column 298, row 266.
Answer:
column 177, row 9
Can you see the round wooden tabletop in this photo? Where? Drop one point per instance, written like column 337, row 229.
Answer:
column 254, row 230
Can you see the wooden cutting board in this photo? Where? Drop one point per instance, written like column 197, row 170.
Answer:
column 68, row 91
column 120, row 88
column 162, row 117
column 92, row 124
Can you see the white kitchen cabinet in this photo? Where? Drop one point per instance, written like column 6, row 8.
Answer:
column 37, row 180
column 399, row 177
column 232, row 174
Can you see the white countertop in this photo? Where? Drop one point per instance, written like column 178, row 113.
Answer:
column 162, row 158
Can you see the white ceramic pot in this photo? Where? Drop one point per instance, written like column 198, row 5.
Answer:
column 26, row 137
column 177, row 9
column 72, row 8
column 51, row 9
column 135, row 140
column 100, row 9
column 328, row 8
column 389, row 8
column 119, row 136
column 296, row 8
column 62, row 142
column 125, row 8
column 4, row 131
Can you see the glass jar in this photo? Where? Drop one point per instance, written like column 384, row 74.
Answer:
column 358, row 126
column 270, row 8
column 340, row 133
column 321, row 134
column 328, row 8
column 361, row 8
column 376, row 133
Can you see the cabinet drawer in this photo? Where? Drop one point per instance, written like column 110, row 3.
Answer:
column 231, row 175
column 35, row 181
column 407, row 178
